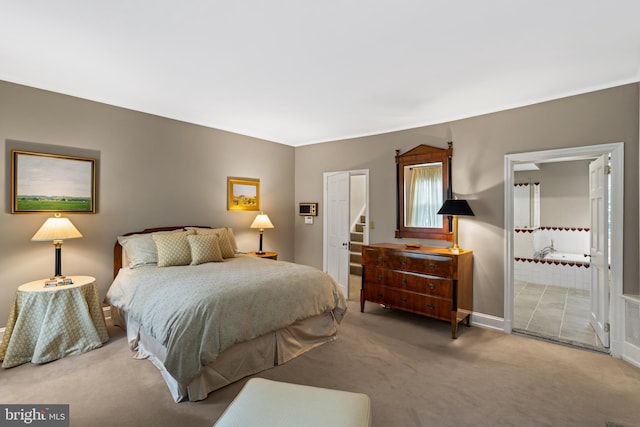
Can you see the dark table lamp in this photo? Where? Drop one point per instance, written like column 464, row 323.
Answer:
column 262, row 221
column 455, row 208
column 57, row 230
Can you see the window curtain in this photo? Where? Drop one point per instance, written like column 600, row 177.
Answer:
column 425, row 198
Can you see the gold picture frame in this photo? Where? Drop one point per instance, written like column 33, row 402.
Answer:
column 243, row 194
column 43, row 182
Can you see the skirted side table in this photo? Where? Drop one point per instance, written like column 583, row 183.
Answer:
column 48, row 323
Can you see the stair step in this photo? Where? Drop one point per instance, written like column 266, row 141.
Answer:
column 359, row 228
column 355, row 258
column 357, row 237
column 356, row 247
column 355, row 269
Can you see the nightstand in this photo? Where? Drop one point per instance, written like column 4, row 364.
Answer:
column 269, row 255
column 48, row 323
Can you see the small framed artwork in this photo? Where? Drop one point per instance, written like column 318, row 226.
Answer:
column 42, row 182
column 243, row 194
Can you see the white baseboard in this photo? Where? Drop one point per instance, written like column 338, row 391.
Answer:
column 631, row 354
column 487, row 321
column 1, row 334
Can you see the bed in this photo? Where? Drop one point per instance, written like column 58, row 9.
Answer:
column 206, row 315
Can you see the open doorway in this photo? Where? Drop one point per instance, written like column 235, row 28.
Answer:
column 552, row 262
column 519, row 316
column 346, row 226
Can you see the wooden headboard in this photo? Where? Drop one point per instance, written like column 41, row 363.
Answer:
column 117, row 249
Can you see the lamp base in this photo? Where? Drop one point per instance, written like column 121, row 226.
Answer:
column 260, row 252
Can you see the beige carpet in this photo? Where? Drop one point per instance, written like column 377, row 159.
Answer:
column 413, row 372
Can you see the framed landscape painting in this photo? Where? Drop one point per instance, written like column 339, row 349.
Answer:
column 243, row 194
column 42, row 182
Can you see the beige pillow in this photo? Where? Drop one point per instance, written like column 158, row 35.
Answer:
column 232, row 240
column 140, row 249
column 173, row 248
column 225, row 244
column 205, row 248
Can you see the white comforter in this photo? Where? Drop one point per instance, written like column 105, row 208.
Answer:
column 197, row 312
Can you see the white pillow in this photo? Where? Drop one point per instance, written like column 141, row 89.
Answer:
column 140, row 249
column 204, row 248
column 173, row 248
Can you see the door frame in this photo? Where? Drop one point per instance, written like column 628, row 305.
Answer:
column 616, row 302
column 325, row 211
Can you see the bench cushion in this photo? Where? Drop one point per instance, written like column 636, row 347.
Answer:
column 269, row 403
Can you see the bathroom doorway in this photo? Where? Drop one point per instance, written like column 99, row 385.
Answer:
column 548, row 277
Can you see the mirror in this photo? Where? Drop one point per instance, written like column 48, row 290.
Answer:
column 424, row 183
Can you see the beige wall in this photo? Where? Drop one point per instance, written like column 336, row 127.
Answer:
column 156, row 172
column 152, row 172
column 480, row 144
column 564, row 193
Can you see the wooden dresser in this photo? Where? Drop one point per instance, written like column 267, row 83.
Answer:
column 430, row 281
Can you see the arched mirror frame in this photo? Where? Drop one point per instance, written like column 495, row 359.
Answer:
column 420, row 155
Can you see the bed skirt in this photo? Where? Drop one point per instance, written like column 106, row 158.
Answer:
column 238, row 361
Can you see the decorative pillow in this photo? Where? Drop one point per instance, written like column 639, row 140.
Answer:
column 223, row 240
column 173, row 248
column 140, row 249
column 232, row 240
column 204, row 248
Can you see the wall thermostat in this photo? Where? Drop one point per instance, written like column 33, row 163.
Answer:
column 308, row 209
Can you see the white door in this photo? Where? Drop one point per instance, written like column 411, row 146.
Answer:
column 598, row 197
column 338, row 228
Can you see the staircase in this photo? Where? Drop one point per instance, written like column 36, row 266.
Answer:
column 355, row 247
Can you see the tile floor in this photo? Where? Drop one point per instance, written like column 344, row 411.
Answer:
column 556, row 313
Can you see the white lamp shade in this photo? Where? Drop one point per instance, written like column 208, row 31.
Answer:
column 262, row 221
column 56, row 229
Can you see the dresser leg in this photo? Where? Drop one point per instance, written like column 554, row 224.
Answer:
column 454, row 329
column 361, row 300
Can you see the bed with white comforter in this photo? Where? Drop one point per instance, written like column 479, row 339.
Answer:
column 205, row 326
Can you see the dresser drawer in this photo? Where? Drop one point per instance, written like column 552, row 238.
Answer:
column 417, row 303
column 419, row 262
column 373, row 256
column 417, row 283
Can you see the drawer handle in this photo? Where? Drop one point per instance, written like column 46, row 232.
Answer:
column 431, row 265
column 430, row 306
column 432, row 286
column 379, row 277
column 380, row 295
column 403, row 261
column 403, row 299
column 404, row 281
column 379, row 258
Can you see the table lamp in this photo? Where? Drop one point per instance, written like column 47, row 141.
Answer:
column 57, row 229
column 455, row 208
column 262, row 221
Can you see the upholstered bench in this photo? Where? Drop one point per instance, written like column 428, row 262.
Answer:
column 267, row 403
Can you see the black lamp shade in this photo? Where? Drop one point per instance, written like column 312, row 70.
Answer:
column 455, row 207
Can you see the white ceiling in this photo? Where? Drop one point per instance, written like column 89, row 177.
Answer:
column 300, row 72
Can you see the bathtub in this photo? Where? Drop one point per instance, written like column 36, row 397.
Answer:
column 566, row 256
column 563, row 269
